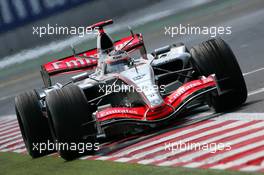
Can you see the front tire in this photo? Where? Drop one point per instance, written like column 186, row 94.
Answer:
column 71, row 120
column 216, row 57
column 33, row 125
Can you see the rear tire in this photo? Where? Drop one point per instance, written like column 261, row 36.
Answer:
column 33, row 125
column 216, row 57
column 69, row 111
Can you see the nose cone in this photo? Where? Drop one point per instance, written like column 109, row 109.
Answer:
column 144, row 84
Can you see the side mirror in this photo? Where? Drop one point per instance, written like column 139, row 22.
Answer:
column 73, row 50
column 131, row 31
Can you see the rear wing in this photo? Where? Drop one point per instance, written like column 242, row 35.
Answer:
column 73, row 63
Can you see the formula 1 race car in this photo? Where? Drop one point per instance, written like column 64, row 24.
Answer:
column 122, row 90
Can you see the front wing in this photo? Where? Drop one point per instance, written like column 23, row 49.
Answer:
column 172, row 103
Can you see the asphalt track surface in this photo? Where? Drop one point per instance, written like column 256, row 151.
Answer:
column 245, row 123
column 246, row 40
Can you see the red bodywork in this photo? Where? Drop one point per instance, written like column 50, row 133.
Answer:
column 72, row 64
column 171, row 102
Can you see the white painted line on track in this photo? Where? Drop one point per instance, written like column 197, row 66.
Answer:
column 253, row 71
column 210, row 140
column 9, row 131
column 11, row 138
column 104, row 158
column 4, row 146
column 6, row 97
column 217, row 157
column 239, row 116
column 10, row 135
column 4, row 124
column 236, row 151
column 196, row 136
column 257, row 91
column 240, row 161
column 251, row 168
column 163, row 139
column 86, row 157
column 9, row 127
column 17, row 147
column 20, row 150
column 193, row 155
column 193, row 165
column 123, row 159
column 8, row 118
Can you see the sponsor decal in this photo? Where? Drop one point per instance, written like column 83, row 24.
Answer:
column 189, row 86
column 80, row 62
column 73, row 63
column 116, row 111
column 138, row 77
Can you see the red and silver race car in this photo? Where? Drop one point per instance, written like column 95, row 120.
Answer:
column 123, row 90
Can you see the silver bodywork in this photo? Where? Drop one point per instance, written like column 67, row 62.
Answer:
column 140, row 76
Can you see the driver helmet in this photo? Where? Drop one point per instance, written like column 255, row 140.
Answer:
column 117, row 61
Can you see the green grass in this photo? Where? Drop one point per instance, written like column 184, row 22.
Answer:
column 13, row 163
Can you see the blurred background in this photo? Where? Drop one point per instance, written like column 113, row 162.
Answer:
column 18, row 16
column 22, row 53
